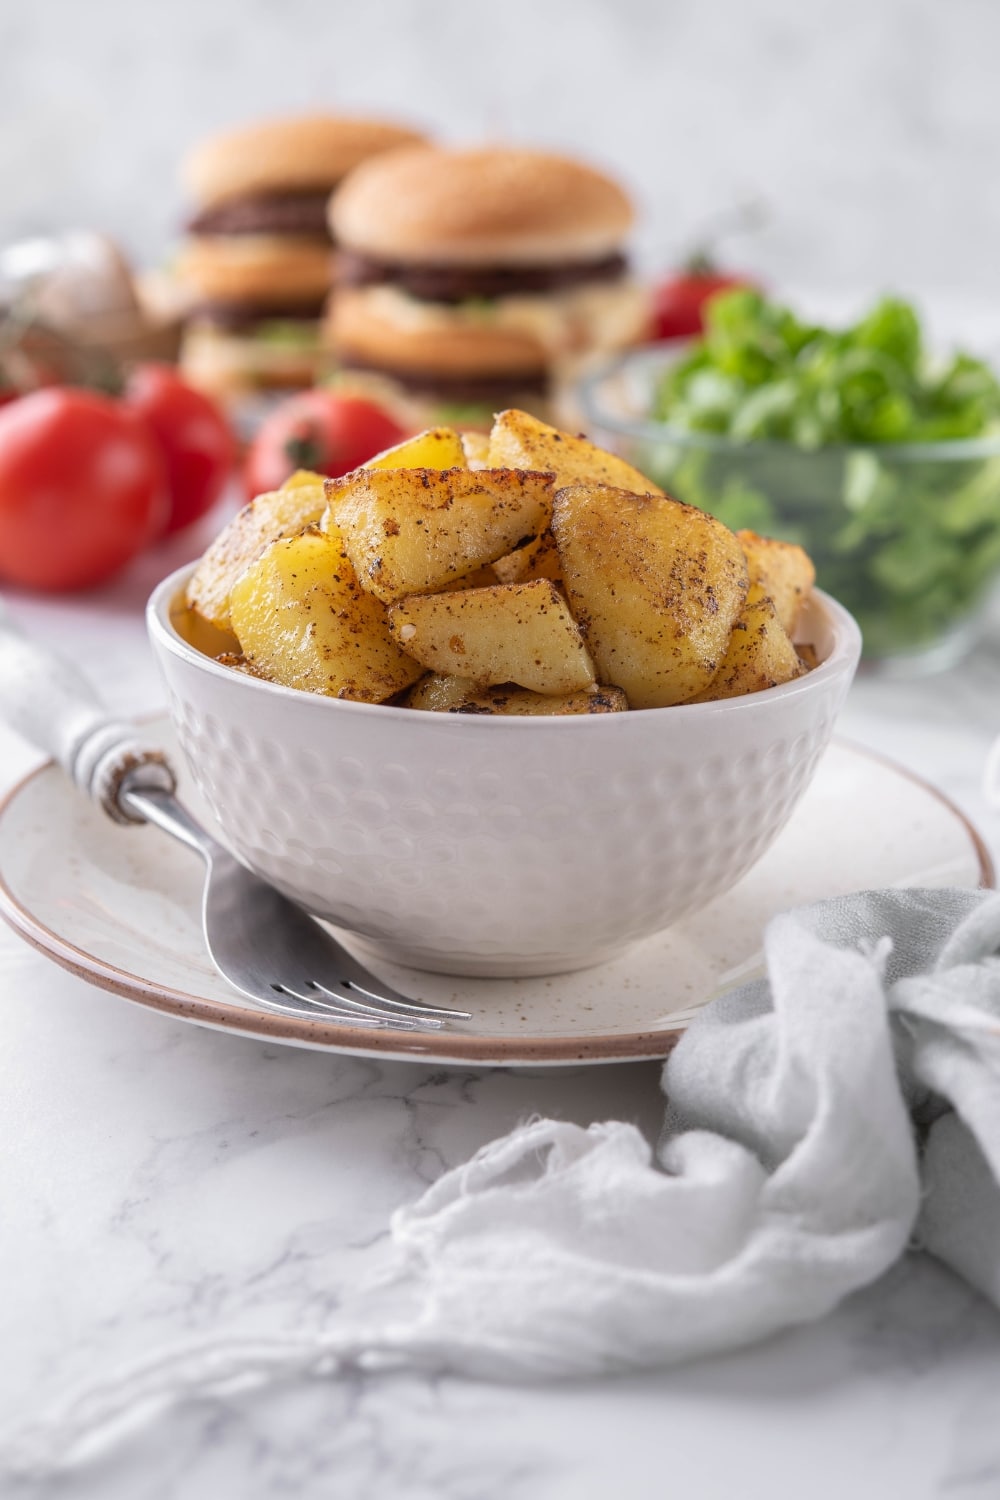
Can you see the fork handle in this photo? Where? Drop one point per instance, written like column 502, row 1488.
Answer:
column 49, row 701
column 157, row 805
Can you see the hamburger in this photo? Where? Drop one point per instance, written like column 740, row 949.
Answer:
column 471, row 280
column 256, row 263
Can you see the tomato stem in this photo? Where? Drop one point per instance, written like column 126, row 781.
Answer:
column 701, row 262
column 742, row 218
column 304, row 448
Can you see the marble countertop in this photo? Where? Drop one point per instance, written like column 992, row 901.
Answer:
column 159, row 1181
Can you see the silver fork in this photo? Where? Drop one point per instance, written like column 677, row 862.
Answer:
column 261, row 943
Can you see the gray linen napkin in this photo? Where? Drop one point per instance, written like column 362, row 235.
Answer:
column 818, row 1121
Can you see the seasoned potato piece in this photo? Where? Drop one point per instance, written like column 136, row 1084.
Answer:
column 759, row 655
column 437, row 448
column 784, row 570
column 538, row 559
column 413, row 531
column 655, row 585
column 513, row 700
column 477, row 449
column 303, row 479
column 523, row 442
column 200, row 633
column 479, row 578
column 277, row 513
column 237, row 662
column 303, row 620
column 437, row 693
column 515, row 632
column 458, row 695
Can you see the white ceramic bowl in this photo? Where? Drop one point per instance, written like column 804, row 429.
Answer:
column 475, row 845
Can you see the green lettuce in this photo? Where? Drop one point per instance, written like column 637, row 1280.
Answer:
column 834, row 443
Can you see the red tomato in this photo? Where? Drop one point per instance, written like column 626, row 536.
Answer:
column 196, row 440
column 324, row 431
column 82, row 488
column 678, row 301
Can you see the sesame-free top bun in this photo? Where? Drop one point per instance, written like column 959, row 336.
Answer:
column 309, row 152
column 495, row 205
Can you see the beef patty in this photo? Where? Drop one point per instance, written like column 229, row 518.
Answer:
column 239, row 317
column 266, row 213
column 465, row 283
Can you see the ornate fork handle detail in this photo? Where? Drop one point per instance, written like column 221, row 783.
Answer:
column 49, row 701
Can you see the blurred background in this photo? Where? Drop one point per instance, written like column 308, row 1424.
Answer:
column 869, row 127
column 831, row 152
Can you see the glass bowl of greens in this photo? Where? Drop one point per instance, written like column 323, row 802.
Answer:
column 880, row 459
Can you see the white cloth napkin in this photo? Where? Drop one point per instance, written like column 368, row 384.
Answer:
column 817, row 1122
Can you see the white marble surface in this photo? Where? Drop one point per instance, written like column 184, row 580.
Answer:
column 159, row 1181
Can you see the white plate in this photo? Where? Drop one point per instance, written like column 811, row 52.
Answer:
column 120, row 907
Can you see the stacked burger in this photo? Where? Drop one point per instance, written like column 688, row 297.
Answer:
column 471, row 280
column 256, row 264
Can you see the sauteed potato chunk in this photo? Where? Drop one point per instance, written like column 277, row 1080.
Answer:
column 784, row 571
column 655, row 585
column 285, row 512
column 437, row 448
column 413, row 531
column 302, row 619
column 511, row 700
column 539, row 559
column 759, row 654
column 515, row 632
column 457, row 695
column 523, row 442
column 439, row 691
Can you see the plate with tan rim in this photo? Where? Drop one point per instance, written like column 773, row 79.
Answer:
column 120, row 907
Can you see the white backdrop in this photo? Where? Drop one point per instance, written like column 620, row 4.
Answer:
column 871, row 127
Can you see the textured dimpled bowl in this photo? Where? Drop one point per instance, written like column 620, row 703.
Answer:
column 468, row 844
